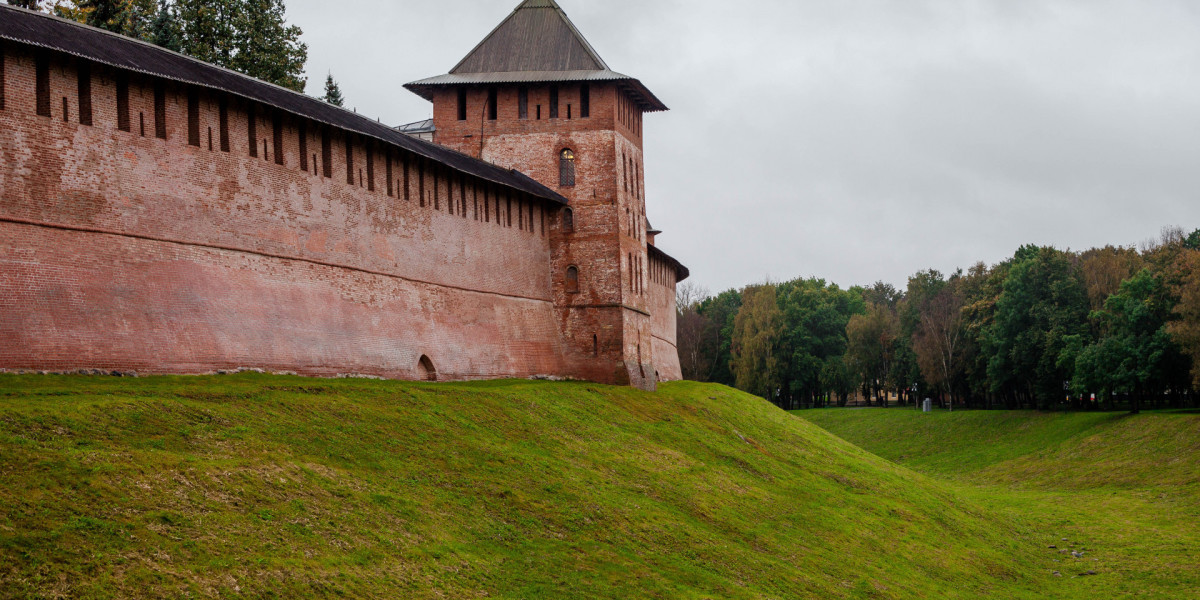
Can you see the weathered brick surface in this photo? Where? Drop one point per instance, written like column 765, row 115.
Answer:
column 216, row 260
column 616, row 323
column 122, row 251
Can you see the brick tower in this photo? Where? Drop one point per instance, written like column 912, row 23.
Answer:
column 534, row 96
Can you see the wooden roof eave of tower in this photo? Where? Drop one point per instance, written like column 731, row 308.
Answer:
column 537, row 43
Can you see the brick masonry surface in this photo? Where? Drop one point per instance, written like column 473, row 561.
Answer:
column 293, row 250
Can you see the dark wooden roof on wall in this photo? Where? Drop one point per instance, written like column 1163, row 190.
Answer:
column 536, row 43
column 99, row 46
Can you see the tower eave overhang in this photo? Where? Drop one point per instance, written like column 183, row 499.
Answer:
column 681, row 272
column 646, row 99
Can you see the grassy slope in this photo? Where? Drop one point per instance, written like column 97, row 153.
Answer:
column 1126, row 487
column 287, row 487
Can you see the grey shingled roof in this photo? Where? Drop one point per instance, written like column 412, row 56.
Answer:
column 536, row 43
column 537, row 36
column 102, row 47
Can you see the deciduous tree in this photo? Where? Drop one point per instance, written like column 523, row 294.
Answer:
column 755, row 335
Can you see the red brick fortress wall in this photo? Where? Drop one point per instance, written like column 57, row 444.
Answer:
column 120, row 250
column 607, row 320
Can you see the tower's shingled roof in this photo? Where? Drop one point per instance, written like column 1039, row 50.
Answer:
column 102, row 47
column 537, row 36
column 536, row 43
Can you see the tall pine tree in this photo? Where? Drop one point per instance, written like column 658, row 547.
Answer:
column 333, row 94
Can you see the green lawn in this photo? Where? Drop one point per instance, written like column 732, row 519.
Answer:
column 267, row 486
column 1125, row 487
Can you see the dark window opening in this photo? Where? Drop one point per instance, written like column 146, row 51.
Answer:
column 210, row 145
column 462, row 196
column 572, row 280
column 426, row 370
column 387, row 158
column 542, row 215
column 85, row 94
column 277, row 136
column 370, row 169
column 64, row 110
column 492, row 102
column 142, row 123
column 568, row 219
column 566, row 168
column 193, row 115
column 160, row 112
column 522, row 103
column 554, row 102
column 568, row 112
column 595, row 345
column 1, row 75
column 462, row 104
column 349, row 160
column 252, row 130
column 437, row 199
column 404, row 166
column 508, row 210
column 223, row 123
column 421, row 181
column 326, row 154
column 585, row 102
column 42, row 66
column 487, row 206
column 302, row 137
column 539, row 112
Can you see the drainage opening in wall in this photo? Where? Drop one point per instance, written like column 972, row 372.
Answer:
column 426, row 370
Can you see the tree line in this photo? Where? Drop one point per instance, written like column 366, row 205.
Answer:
column 1108, row 328
column 248, row 36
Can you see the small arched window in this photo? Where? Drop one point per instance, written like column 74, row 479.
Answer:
column 568, row 220
column 566, row 168
column 572, row 280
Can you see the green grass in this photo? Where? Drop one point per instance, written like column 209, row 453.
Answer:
column 1125, row 487
column 285, row 487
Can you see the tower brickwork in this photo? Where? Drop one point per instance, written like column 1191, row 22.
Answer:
column 535, row 97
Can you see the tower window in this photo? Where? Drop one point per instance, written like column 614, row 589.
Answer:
column 349, row 161
column 572, row 279
column 568, row 218
column 42, row 66
column 554, row 102
column 539, row 112
column 85, row 94
column 569, row 112
column 566, row 169
column 523, row 103
column 585, row 102
column 492, row 94
column 462, row 104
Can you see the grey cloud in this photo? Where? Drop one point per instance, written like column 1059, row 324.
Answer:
column 855, row 140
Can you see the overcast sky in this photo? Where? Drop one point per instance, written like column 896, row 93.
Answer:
column 853, row 140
